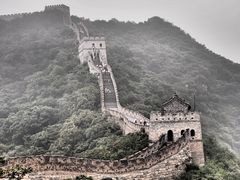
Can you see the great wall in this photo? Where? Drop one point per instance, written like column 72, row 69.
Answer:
column 175, row 130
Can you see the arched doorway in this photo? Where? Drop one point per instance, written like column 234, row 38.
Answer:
column 169, row 135
column 192, row 133
column 182, row 132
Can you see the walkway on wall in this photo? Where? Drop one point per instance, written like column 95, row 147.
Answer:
column 110, row 100
column 144, row 159
column 132, row 121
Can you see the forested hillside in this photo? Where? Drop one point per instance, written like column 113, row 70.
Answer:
column 154, row 59
column 49, row 103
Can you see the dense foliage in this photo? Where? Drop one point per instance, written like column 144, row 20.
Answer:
column 49, row 103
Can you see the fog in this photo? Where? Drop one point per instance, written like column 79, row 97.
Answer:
column 213, row 23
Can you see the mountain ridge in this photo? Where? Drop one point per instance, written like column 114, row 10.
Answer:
column 58, row 97
column 178, row 54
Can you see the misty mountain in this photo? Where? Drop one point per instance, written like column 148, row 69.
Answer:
column 153, row 59
column 50, row 104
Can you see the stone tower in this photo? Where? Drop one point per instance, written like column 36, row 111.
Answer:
column 65, row 12
column 173, row 120
column 92, row 50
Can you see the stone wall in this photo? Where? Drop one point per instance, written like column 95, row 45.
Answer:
column 65, row 12
column 167, row 159
column 162, row 123
column 166, row 169
column 123, row 121
column 10, row 17
column 64, row 9
column 196, row 147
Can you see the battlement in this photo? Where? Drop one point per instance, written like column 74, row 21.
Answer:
column 61, row 7
column 9, row 17
column 136, row 118
column 174, row 117
column 147, row 159
column 58, row 6
column 92, row 38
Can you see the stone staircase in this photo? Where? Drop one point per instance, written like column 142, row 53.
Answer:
column 110, row 100
column 130, row 121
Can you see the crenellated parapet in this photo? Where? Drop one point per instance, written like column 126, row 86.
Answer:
column 58, row 6
column 65, row 13
column 148, row 158
column 135, row 117
column 10, row 17
column 123, row 121
column 175, row 117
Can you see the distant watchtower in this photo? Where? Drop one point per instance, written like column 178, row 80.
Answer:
column 173, row 120
column 65, row 12
column 92, row 50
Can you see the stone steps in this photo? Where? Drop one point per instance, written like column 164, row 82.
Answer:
column 110, row 100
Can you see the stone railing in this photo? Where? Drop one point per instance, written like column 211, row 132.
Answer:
column 100, row 83
column 130, row 164
column 123, row 121
column 114, row 85
column 136, row 117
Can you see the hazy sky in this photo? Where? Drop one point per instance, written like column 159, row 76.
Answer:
column 215, row 23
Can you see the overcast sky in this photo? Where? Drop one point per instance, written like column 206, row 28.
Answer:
column 215, row 23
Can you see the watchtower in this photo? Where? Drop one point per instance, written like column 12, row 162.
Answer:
column 65, row 12
column 93, row 50
column 173, row 120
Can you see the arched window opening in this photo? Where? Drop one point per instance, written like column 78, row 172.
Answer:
column 182, row 132
column 93, row 44
column 192, row 132
column 142, row 130
column 170, row 135
column 100, row 44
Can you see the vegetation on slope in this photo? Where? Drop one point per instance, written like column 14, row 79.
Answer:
column 49, row 103
column 153, row 59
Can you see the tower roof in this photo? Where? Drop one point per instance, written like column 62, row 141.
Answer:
column 175, row 104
